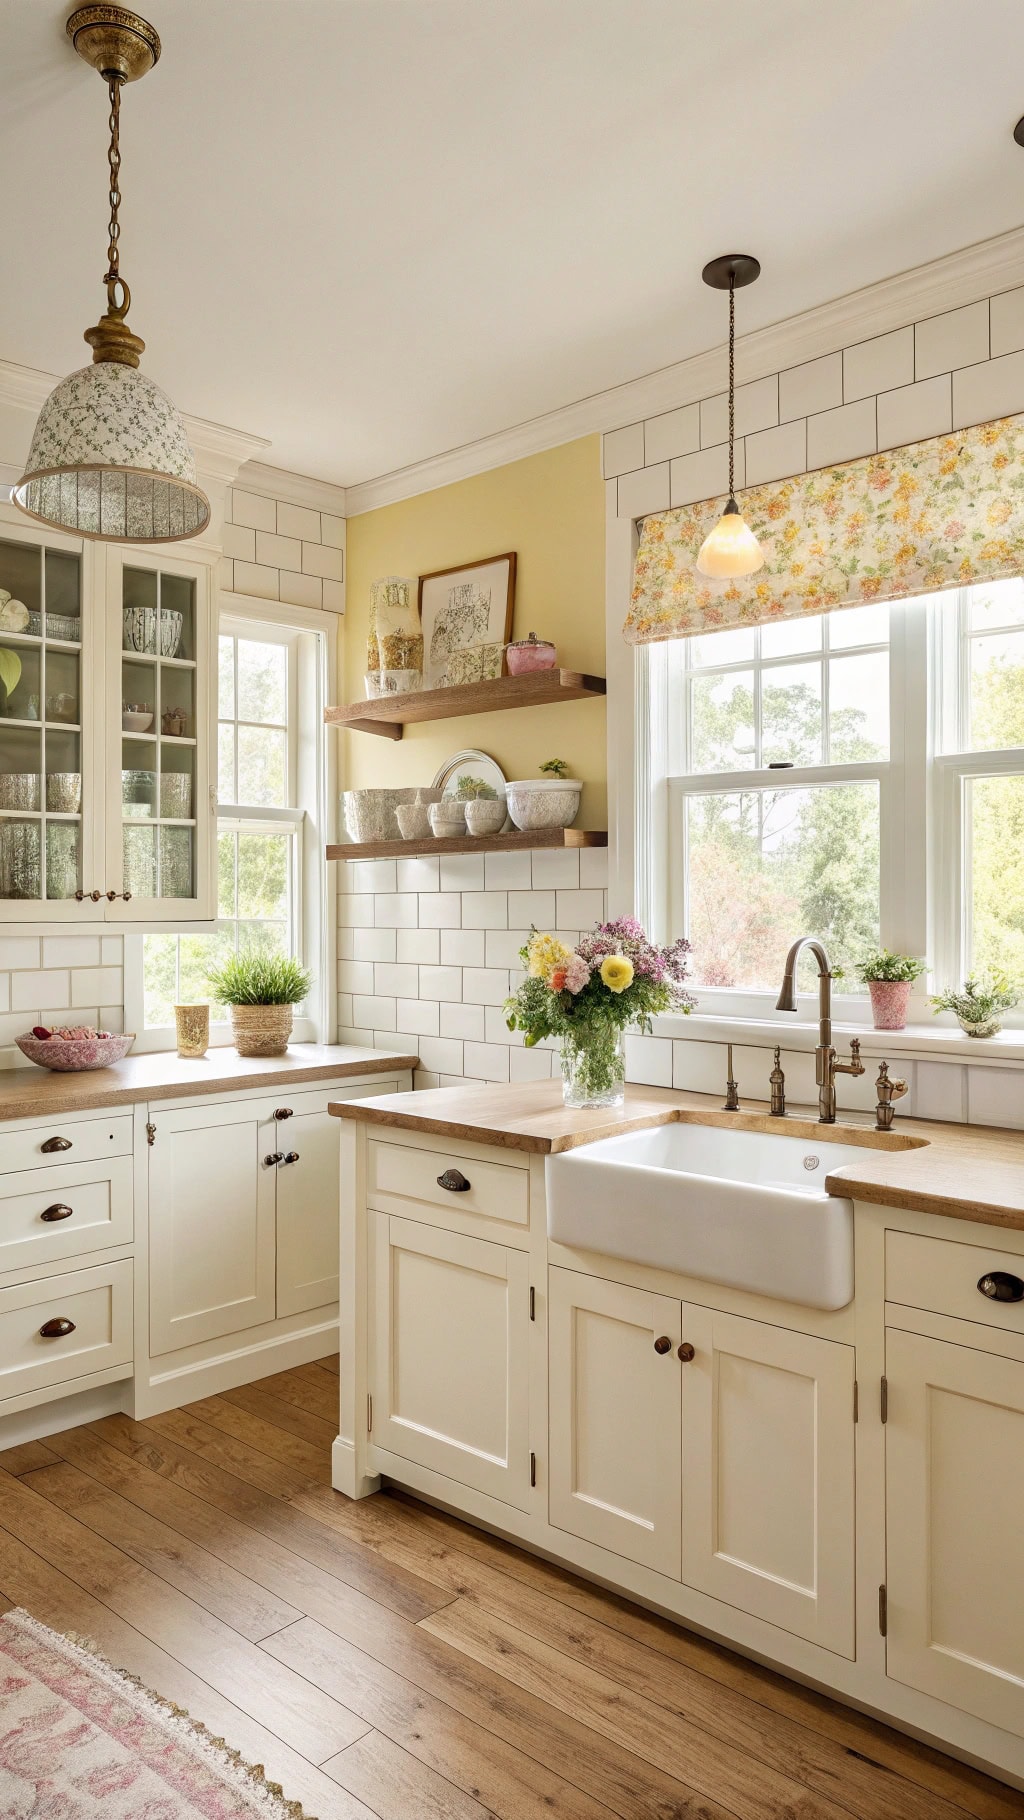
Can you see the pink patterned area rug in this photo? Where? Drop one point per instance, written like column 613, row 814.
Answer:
column 81, row 1740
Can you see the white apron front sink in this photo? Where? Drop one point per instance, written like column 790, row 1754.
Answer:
column 746, row 1208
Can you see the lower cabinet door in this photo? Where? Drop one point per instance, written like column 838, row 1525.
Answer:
column 768, row 1474
column 450, row 1368
column 614, row 1441
column 307, row 1211
column 211, row 1225
column 954, row 1452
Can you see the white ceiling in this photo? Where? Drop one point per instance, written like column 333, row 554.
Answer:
column 373, row 230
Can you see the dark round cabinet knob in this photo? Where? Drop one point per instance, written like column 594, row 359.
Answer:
column 454, row 1181
column 58, row 1210
column 291, row 1156
column 56, row 1328
column 275, row 1156
column 284, row 1112
column 664, row 1344
column 1001, row 1286
column 686, row 1352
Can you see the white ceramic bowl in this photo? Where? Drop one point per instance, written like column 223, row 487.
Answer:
column 485, row 816
column 544, row 802
column 448, row 818
column 71, row 1056
column 413, row 820
column 136, row 722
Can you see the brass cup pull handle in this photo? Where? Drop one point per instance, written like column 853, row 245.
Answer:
column 56, row 1328
column 291, row 1156
column 663, row 1345
column 93, row 896
column 56, row 1143
column 1001, row 1286
column 276, row 1156
column 58, row 1210
column 111, row 896
column 454, row 1181
column 686, row 1352
column 284, row 1112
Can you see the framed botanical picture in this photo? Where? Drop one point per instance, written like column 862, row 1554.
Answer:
column 466, row 614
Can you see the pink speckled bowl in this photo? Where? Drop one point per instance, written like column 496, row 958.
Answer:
column 65, row 1056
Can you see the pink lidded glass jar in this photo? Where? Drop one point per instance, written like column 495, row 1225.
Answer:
column 529, row 654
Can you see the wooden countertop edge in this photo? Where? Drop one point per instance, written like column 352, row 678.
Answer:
column 926, row 1200
column 49, row 1103
column 537, row 1143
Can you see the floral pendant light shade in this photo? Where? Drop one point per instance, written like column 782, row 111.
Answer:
column 110, row 456
column 730, row 549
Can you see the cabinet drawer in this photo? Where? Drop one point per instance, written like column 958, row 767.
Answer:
column 83, row 1143
column 944, row 1276
column 496, row 1190
column 99, row 1303
column 47, row 1215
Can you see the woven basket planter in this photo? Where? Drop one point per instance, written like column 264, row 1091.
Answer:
column 261, row 1029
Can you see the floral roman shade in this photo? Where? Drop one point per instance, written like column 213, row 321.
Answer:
column 936, row 514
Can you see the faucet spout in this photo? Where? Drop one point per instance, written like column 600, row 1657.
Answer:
column 826, row 1065
column 787, row 997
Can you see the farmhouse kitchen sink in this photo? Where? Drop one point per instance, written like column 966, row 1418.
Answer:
column 746, row 1208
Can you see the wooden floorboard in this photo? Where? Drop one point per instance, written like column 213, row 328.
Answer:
column 387, row 1662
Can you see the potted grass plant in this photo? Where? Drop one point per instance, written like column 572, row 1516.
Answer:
column 261, row 990
column 889, row 978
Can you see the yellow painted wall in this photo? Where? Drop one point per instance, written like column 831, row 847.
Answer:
column 550, row 510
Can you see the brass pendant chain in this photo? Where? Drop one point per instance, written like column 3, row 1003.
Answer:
column 114, row 161
column 732, row 383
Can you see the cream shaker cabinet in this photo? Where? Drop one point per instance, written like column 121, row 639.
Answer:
column 711, row 1448
column 106, row 812
column 449, row 1373
column 954, row 1446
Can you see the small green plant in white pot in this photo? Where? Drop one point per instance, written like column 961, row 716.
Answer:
column 889, row 979
column 979, row 1004
column 261, row 990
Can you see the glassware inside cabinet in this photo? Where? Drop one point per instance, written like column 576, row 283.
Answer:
column 158, row 733
column 40, row 722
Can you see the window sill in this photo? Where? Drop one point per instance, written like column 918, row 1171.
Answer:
column 922, row 1041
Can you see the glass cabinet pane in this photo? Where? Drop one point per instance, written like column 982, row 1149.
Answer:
column 41, row 783
column 158, row 733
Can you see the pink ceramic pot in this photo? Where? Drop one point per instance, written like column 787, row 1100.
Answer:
column 889, row 1001
column 529, row 654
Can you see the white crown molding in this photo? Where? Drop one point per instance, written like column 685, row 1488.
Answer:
column 962, row 277
column 294, row 489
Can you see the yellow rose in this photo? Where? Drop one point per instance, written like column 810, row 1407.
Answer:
column 616, row 972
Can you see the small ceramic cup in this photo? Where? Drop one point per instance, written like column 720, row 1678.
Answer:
column 447, row 818
column 484, row 815
column 413, row 820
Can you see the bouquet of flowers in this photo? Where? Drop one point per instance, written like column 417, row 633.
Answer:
column 588, row 995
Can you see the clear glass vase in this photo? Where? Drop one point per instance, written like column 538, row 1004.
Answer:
column 594, row 1067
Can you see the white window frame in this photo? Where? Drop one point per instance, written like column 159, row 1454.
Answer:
column 312, row 756
column 922, row 805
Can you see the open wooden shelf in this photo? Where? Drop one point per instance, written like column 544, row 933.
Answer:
column 513, row 842
column 387, row 715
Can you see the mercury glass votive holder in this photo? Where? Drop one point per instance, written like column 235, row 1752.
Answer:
column 193, row 1027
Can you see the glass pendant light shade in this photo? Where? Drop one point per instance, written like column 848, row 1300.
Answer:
column 110, row 458
column 731, row 548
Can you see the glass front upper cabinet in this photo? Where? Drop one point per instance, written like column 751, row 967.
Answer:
column 44, row 743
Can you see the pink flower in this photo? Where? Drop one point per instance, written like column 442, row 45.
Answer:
column 577, row 973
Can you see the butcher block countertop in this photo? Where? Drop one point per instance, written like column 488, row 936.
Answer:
column 27, row 1093
column 969, row 1172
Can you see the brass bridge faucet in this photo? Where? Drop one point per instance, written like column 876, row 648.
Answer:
column 826, row 1064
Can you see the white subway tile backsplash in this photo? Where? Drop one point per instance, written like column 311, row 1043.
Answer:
column 464, row 1021
column 503, row 947
column 5, row 991
column 817, row 385
column 757, row 408
column 299, row 521
column 644, row 490
column 995, row 1096
column 507, row 871
column 485, row 909
column 486, row 1061
column 913, row 412
column 841, row 435
column 67, row 951
column 673, row 433
column 19, row 951
column 462, row 872
column 941, row 1091
column 396, row 909
column 441, row 1054
column 301, row 590
column 529, row 1064
column 355, row 910
column 623, row 449
column 704, row 475
column 111, row 950
column 485, row 985
column 440, row 910
column 422, row 947
column 31, row 991
column 252, row 509
column 579, row 909
column 420, row 873
column 372, row 875
column 375, row 1013
column 594, row 868
column 252, row 578
column 417, row 1017
column 1006, row 322
column 879, row 364
column 240, row 541
column 321, row 559
column 369, row 944
column 332, row 531
column 111, row 1017
column 775, row 454
column 394, row 979
column 531, row 909
column 648, row 1060
column 554, row 870
column 957, row 338
column 355, row 976
column 278, row 552
column 334, row 596
column 462, row 947
column 441, row 983
column 994, row 389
